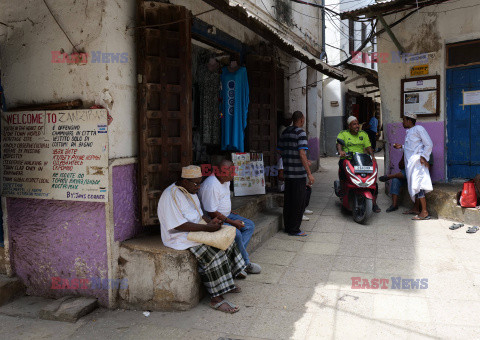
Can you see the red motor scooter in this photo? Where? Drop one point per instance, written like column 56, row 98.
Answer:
column 358, row 186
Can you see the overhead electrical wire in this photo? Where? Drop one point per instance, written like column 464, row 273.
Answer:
column 315, row 5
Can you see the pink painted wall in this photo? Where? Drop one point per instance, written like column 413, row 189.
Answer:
column 64, row 239
column 126, row 214
column 395, row 133
column 313, row 149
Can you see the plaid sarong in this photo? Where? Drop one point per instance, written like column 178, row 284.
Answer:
column 217, row 268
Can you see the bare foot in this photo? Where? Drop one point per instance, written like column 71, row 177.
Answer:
column 236, row 290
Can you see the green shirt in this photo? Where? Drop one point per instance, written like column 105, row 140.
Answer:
column 354, row 143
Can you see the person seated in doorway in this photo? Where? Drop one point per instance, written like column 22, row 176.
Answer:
column 215, row 197
column 179, row 213
column 399, row 180
column 355, row 141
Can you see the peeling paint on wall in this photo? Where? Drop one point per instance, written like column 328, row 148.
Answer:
column 57, row 239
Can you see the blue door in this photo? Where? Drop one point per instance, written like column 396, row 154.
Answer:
column 463, row 124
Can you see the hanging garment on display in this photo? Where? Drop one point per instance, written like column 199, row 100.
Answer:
column 235, row 99
column 209, row 89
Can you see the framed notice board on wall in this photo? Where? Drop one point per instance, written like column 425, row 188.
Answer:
column 420, row 96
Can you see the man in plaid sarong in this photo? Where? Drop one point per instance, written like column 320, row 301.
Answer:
column 179, row 213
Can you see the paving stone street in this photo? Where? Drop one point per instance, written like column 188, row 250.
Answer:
column 305, row 288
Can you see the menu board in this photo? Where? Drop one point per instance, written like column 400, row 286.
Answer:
column 59, row 155
column 249, row 174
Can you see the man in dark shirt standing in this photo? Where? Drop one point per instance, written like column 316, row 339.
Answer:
column 293, row 145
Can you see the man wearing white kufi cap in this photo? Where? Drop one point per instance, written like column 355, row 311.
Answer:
column 417, row 150
column 179, row 212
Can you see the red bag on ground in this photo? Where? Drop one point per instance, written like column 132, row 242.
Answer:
column 468, row 198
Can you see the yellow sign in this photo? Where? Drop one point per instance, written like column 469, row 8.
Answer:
column 419, row 70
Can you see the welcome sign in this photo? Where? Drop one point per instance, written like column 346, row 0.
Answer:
column 60, row 155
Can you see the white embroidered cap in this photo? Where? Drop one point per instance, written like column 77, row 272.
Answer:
column 410, row 115
column 191, row 171
column 351, row 119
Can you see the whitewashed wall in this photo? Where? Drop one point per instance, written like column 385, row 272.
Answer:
column 427, row 31
column 29, row 76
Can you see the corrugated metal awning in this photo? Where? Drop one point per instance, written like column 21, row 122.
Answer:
column 242, row 16
column 386, row 7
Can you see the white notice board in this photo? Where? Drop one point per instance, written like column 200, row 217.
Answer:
column 249, row 174
column 60, row 155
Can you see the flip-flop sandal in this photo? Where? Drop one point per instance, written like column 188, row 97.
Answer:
column 416, row 218
column 217, row 307
column 302, row 233
column 455, row 226
column 472, row 230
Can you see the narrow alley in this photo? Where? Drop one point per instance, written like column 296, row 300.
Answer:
column 305, row 290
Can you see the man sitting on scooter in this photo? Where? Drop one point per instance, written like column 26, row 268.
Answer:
column 355, row 141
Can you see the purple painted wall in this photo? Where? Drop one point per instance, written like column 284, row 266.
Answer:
column 313, row 149
column 395, row 133
column 64, row 239
column 126, row 214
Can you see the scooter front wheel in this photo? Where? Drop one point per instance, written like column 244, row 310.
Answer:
column 362, row 209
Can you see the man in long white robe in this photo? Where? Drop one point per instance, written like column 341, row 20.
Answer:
column 417, row 150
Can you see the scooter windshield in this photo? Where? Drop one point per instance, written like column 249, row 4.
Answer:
column 362, row 160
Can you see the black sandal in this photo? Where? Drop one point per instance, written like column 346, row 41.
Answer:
column 455, row 226
column 472, row 230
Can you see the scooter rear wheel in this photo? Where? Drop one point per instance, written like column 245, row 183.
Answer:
column 362, row 209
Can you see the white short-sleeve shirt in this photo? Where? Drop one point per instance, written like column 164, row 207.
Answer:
column 170, row 217
column 215, row 196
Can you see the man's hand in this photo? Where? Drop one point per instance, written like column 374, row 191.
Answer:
column 214, row 225
column 343, row 154
column 397, row 146
column 311, row 180
column 238, row 224
column 424, row 162
column 309, row 163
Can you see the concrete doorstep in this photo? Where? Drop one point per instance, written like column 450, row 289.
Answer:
column 164, row 279
column 68, row 308
column 10, row 289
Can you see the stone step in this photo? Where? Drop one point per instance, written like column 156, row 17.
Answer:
column 68, row 308
column 10, row 289
column 442, row 203
column 3, row 268
column 267, row 223
column 249, row 206
column 165, row 279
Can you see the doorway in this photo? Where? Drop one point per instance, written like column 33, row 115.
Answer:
column 463, row 137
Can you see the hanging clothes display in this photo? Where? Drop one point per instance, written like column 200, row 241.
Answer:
column 235, row 99
column 209, row 86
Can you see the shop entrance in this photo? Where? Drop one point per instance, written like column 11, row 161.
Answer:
column 179, row 98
